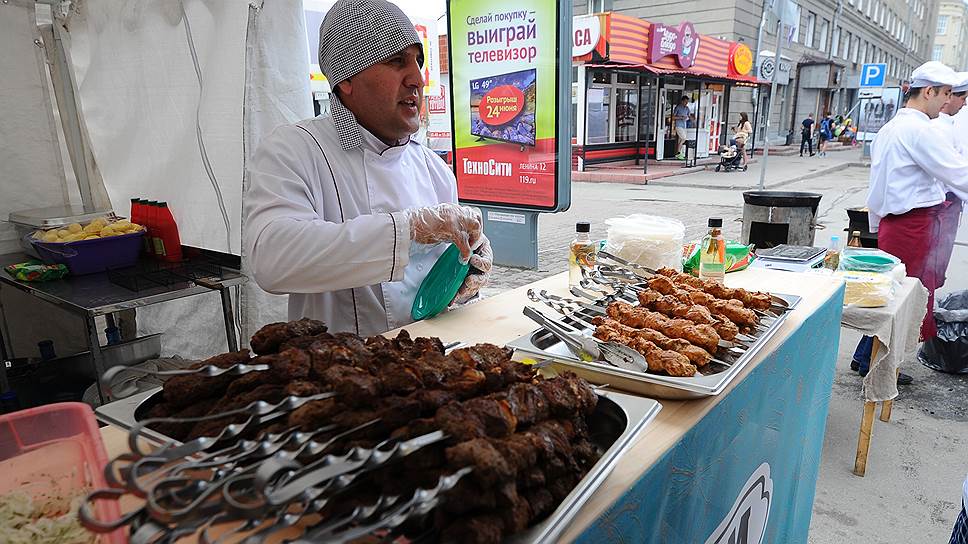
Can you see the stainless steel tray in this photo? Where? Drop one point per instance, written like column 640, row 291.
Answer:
column 542, row 344
column 617, row 423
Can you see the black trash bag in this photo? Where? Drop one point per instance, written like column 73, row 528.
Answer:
column 948, row 352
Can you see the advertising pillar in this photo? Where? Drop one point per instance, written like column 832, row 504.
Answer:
column 510, row 67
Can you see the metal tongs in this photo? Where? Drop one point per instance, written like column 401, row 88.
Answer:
column 588, row 348
column 636, row 268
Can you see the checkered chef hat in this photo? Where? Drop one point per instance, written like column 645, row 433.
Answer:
column 357, row 34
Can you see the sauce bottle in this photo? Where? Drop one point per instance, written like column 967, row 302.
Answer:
column 854, row 239
column 167, row 240
column 582, row 253
column 712, row 252
column 150, row 216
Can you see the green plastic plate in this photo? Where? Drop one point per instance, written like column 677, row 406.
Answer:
column 440, row 286
column 873, row 259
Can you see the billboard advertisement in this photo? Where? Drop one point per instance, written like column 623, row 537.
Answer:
column 876, row 109
column 505, row 102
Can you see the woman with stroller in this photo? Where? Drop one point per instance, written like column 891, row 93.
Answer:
column 741, row 132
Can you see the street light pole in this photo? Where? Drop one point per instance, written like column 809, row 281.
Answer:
column 769, row 107
column 756, row 64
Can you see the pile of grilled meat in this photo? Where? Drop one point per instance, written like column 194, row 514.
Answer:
column 525, row 437
column 680, row 320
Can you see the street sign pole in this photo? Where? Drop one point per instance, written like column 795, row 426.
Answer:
column 769, row 107
column 872, row 75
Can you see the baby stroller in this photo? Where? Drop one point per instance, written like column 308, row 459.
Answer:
column 730, row 159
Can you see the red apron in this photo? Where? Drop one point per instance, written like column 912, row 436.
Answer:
column 923, row 239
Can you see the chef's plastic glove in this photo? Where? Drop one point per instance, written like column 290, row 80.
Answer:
column 446, row 223
column 479, row 273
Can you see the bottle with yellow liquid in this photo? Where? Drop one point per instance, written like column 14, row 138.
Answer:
column 582, row 253
column 712, row 252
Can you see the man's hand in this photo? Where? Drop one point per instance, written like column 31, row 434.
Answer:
column 447, row 222
column 479, row 274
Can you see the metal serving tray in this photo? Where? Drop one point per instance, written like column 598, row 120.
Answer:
column 542, row 344
column 617, row 423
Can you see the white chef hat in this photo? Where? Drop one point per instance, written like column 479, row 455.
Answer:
column 357, row 34
column 933, row 74
column 963, row 85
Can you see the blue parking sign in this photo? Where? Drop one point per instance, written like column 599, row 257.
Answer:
column 872, row 75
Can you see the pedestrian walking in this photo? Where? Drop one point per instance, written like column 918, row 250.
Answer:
column 806, row 134
column 826, row 133
column 918, row 181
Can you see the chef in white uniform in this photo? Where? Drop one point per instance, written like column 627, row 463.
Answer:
column 951, row 120
column 918, row 181
column 344, row 213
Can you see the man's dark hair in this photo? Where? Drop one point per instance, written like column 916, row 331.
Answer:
column 910, row 93
column 959, row 94
column 684, row 99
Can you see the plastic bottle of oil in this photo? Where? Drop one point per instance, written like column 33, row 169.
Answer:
column 712, row 252
column 582, row 253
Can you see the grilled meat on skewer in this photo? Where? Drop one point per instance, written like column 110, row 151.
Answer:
column 525, row 437
column 756, row 300
column 732, row 309
column 695, row 354
column 500, row 414
column 661, row 360
column 673, row 307
column 704, row 336
column 268, row 339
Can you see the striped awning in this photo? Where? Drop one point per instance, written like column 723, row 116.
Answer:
column 625, row 41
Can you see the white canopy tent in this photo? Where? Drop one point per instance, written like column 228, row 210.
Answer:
column 172, row 100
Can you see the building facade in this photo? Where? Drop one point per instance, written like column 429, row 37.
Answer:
column 951, row 35
column 821, row 56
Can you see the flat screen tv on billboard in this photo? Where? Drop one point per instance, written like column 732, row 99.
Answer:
column 503, row 107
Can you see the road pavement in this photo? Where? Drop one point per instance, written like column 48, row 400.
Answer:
column 917, row 463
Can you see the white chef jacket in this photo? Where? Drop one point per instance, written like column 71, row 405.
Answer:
column 947, row 123
column 324, row 221
column 912, row 167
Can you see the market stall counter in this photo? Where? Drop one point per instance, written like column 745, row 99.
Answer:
column 740, row 466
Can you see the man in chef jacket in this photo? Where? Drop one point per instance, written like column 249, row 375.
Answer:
column 950, row 119
column 345, row 213
column 918, row 181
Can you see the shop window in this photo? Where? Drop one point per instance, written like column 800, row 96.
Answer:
column 601, row 77
column 811, row 24
column 626, row 114
column 627, row 79
column 599, row 6
column 597, row 117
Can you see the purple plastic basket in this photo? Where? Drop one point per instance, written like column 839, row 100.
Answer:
column 91, row 256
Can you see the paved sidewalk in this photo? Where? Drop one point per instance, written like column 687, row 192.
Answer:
column 784, row 166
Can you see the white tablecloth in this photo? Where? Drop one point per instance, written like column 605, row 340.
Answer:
column 896, row 328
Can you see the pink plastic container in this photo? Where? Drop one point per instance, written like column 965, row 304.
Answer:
column 55, row 450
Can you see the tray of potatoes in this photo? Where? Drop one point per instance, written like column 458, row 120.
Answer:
column 95, row 247
column 98, row 228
